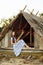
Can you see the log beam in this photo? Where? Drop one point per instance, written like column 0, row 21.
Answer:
column 20, row 35
column 26, row 34
column 30, row 35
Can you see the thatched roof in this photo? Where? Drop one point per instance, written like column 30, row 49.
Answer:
column 33, row 20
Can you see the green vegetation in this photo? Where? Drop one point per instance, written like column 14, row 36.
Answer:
column 5, row 22
column 1, row 29
column 41, row 14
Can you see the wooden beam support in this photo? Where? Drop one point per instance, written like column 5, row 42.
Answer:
column 24, row 8
column 25, row 26
column 20, row 24
column 26, row 34
column 30, row 35
column 20, row 35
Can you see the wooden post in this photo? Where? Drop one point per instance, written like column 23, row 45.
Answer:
column 37, row 13
column 3, row 42
column 24, row 8
column 30, row 36
column 20, row 24
column 6, row 40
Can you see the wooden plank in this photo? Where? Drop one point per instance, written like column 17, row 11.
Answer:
column 23, row 50
column 26, row 34
column 20, row 24
column 25, row 26
column 30, row 35
column 20, row 35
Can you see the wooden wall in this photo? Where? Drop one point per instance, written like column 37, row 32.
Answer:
column 38, row 41
column 6, row 41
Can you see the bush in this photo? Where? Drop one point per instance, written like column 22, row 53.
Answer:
column 0, row 29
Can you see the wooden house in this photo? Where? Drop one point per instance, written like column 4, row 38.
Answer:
column 28, row 27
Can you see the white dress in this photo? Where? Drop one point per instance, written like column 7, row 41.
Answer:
column 18, row 47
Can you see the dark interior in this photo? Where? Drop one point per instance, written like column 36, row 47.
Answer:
column 22, row 24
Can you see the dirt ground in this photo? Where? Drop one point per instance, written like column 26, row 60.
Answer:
column 22, row 60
